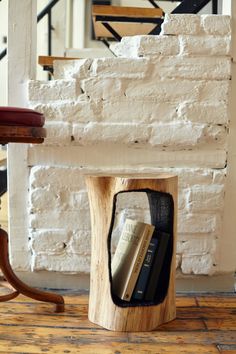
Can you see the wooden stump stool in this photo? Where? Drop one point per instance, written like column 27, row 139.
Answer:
column 21, row 125
column 105, row 308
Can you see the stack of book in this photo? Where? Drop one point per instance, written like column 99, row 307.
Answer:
column 138, row 260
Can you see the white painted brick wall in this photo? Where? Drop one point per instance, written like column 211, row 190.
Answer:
column 120, row 67
column 139, row 46
column 167, row 92
column 181, row 24
column 68, row 69
column 212, row 113
column 52, row 90
column 218, row 25
column 94, row 133
column 204, row 67
column 205, row 45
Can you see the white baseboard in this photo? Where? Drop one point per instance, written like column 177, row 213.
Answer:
column 204, row 283
column 190, row 284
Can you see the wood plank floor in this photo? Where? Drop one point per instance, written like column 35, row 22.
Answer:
column 204, row 324
column 3, row 212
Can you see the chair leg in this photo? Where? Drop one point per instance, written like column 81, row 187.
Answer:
column 18, row 284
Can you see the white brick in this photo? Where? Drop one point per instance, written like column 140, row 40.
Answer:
column 62, row 263
column 133, row 110
column 215, row 91
column 80, row 243
column 181, row 24
column 198, row 223
column 216, row 113
column 54, row 90
column 215, row 134
column 176, row 134
column 219, row 176
column 183, row 198
column 50, row 241
column 58, row 133
column 218, row 68
column 78, row 200
column 198, row 264
column 188, row 177
column 55, row 111
column 216, row 24
column 158, row 45
column 165, row 90
column 197, row 246
column 81, row 110
column 51, row 197
column 185, row 134
column 48, row 198
column 88, row 110
column 120, row 67
column 207, row 197
column 58, row 177
column 94, row 133
column 126, row 48
column 107, row 88
column 205, row 45
column 141, row 46
column 59, row 219
column 71, row 69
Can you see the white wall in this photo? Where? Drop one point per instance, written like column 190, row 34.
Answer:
column 163, row 102
column 3, row 63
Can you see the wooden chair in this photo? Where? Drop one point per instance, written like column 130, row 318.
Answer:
column 20, row 125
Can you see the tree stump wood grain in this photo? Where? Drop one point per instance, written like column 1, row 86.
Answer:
column 102, row 191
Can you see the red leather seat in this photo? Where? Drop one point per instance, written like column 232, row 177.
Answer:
column 21, row 125
column 21, row 116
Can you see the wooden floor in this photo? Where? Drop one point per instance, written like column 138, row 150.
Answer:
column 204, row 324
column 3, row 212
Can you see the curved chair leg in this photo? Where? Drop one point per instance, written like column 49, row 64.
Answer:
column 18, row 284
column 9, row 296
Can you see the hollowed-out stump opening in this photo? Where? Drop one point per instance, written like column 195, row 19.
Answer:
column 161, row 206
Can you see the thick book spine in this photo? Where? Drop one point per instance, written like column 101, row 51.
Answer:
column 128, row 255
column 163, row 239
column 137, row 263
column 127, row 246
column 141, row 284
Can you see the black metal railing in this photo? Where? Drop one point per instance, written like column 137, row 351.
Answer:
column 192, row 6
column 47, row 11
column 3, row 53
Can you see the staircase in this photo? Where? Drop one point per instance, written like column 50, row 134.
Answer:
column 114, row 22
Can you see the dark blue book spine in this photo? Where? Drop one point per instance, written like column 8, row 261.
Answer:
column 141, row 284
column 158, row 261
